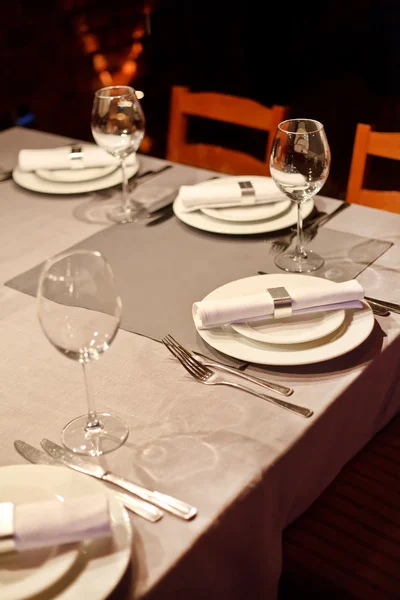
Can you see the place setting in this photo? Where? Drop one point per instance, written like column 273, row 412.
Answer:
column 61, row 527
column 237, row 205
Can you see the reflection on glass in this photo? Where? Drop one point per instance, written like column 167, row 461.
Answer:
column 299, row 163
column 79, row 311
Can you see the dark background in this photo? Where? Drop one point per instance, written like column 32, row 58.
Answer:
column 337, row 62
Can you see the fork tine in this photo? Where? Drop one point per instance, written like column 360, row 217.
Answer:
column 204, row 371
column 188, row 367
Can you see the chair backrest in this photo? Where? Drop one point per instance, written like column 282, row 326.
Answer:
column 219, row 107
column 376, row 143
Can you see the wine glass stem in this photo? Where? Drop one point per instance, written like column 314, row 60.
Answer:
column 92, row 422
column 126, row 205
column 300, row 252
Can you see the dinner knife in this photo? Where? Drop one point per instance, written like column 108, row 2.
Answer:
column 140, row 507
column 388, row 305
column 84, row 465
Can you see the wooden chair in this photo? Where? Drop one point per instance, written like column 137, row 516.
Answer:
column 347, row 544
column 219, row 107
column 368, row 142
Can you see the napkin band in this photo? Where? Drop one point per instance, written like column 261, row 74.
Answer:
column 248, row 193
column 76, row 157
column 7, row 543
column 282, row 302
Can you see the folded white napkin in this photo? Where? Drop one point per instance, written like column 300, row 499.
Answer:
column 211, row 313
column 59, row 158
column 51, row 523
column 229, row 193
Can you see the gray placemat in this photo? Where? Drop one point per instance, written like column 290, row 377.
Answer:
column 160, row 271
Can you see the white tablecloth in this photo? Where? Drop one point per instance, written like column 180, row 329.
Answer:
column 249, row 467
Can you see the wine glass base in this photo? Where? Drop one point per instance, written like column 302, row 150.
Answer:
column 122, row 215
column 293, row 263
column 110, row 436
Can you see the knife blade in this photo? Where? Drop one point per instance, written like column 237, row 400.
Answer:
column 84, row 465
column 140, row 507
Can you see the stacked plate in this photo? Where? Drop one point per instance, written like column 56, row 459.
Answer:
column 298, row 340
column 72, row 181
column 243, row 220
column 68, row 571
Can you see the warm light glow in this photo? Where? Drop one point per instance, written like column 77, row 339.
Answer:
column 100, row 62
column 90, row 43
column 138, row 32
column 136, row 50
column 129, row 67
column 105, row 78
column 139, row 94
column 146, row 144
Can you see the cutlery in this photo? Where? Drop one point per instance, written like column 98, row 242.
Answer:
column 384, row 304
column 210, row 362
column 283, row 242
column 207, row 376
column 310, row 229
column 161, row 215
column 84, row 465
column 379, row 307
column 140, row 507
column 4, row 175
column 153, row 173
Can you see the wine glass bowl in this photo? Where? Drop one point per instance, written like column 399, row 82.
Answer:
column 79, row 311
column 118, row 126
column 299, row 165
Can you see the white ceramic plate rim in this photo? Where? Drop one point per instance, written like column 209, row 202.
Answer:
column 33, row 182
column 103, row 571
column 205, row 223
column 75, row 175
column 355, row 329
column 331, row 320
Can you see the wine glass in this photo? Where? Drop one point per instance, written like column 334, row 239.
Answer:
column 118, row 126
column 299, row 163
column 80, row 311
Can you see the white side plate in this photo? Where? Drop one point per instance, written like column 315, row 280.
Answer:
column 71, row 570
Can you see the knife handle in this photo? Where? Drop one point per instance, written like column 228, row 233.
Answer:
column 140, row 507
column 172, row 505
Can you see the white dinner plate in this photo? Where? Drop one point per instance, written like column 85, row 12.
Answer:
column 90, row 569
column 355, row 328
column 33, row 182
column 75, row 175
column 205, row 222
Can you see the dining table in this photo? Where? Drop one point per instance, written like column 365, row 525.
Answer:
column 249, row 467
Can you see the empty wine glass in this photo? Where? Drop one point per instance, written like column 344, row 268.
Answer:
column 299, row 164
column 80, row 311
column 118, row 126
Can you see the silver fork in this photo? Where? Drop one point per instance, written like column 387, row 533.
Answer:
column 209, row 362
column 207, row 376
column 282, row 243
